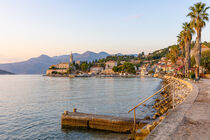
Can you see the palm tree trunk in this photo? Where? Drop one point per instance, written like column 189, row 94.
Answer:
column 183, row 61
column 197, row 53
column 187, row 57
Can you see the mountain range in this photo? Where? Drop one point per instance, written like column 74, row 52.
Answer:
column 4, row 72
column 39, row 65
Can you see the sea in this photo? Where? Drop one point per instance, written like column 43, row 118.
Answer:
column 31, row 105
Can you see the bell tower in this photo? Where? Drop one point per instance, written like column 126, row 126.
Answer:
column 71, row 59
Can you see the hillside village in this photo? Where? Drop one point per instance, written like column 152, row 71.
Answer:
column 168, row 60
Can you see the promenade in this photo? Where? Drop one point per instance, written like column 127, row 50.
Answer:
column 190, row 120
column 196, row 123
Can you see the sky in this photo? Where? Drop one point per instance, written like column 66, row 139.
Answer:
column 29, row 28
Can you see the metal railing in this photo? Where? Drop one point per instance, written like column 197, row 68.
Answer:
column 159, row 91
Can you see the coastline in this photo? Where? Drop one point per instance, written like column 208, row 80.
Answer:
column 150, row 128
column 166, row 124
column 84, row 76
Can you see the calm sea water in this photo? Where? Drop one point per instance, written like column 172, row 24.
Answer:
column 31, row 105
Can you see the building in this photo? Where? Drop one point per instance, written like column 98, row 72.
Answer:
column 110, row 65
column 108, row 68
column 96, row 70
column 71, row 59
column 203, row 49
column 62, row 67
column 56, row 71
column 135, row 61
column 145, row 69
column 78, row 62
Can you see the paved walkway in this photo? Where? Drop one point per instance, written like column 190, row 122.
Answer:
column 189, row 120
column 196, row 123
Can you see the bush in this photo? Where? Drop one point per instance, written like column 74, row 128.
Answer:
column 128, row 67
column 115, row 69
column 192, row 75
column 84, row 67
column 54, row 72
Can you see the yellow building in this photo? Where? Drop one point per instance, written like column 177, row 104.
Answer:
column 62, row 67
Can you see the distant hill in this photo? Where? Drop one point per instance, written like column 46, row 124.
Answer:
column 39, row 65
column 4, row 72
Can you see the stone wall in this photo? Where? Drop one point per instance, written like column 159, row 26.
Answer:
column 165, row 129
column 49, row 72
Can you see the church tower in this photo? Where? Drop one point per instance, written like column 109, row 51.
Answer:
column 71, row 59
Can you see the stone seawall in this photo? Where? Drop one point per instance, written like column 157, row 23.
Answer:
column 166, row 128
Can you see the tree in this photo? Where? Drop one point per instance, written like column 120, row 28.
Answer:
column 139, row 56
column 84, row 67
column 166, row 61
column 70, row 70
column 102, row 65
column 115, row 69
column 180, row 40
column 54, row 72
column 193, row 61
column 174, row 53
column 198, row 16
column 128, row 67
column 53, row 67
column 187, row 35
column 205, row 60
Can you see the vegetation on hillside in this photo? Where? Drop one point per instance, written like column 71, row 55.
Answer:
column 126, row 67
column 206, row 44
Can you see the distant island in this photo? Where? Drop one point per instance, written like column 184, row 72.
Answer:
column 3, row 72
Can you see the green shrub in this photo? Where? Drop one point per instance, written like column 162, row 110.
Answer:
column 192, row 75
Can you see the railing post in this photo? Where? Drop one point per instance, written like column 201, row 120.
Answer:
column 134, row 121
column 173, row 92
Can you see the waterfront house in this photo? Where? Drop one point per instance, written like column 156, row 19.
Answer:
column 96, row 70
column 110, row 65
column 145, row 69
column 108, row 68
column 61, row 68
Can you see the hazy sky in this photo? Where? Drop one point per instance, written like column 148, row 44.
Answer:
column 29, row 28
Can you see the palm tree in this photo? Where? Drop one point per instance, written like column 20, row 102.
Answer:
column 199, row 16
column 180, row 40
column 187, row 36
column 173, row 55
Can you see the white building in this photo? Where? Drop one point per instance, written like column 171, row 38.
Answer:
column 110, row 65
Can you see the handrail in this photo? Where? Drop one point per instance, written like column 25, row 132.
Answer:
column 149, row 97
column 134, row 108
